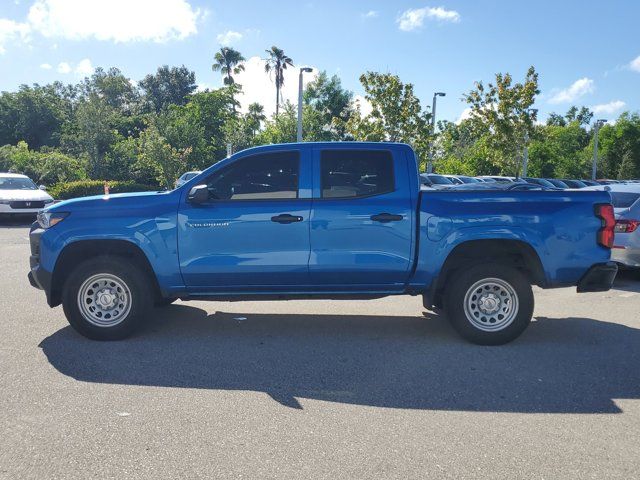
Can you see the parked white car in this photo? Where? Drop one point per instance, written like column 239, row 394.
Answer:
column 185, row 177
column 19, row 195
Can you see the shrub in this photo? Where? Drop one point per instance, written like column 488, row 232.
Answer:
column 85, row 188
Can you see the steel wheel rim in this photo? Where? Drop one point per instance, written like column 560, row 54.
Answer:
column 104, row 300
column 491, row 304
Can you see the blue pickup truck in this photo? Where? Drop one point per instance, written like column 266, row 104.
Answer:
column 321, row 220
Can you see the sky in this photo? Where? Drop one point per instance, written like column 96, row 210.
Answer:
column 586, row 52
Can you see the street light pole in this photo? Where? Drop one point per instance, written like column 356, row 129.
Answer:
column 594, row 167
column 302, row 70
column 433, row 130
column 525, row 155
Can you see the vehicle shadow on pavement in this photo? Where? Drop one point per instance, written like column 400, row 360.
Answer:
column 569, row 365
column 628, row 280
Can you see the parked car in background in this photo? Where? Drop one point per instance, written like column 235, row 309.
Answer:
column 20, row 196
column 321, row 220
column 626, row 202
column 574, row 183
column 557, row 183
column 589, row 183
column 434, row 180
column 460, row 179
column 185, row 177
column 485, row 179
column 539, row 181
column 607, row 181
column 501, row 178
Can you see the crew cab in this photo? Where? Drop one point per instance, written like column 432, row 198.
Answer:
column 321, row 220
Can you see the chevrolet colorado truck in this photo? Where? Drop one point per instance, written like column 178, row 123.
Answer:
column 321, row 220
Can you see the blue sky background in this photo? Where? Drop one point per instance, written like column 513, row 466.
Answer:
column 592, row 43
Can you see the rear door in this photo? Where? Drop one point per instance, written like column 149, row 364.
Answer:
column 362, row 219
column 253, row 233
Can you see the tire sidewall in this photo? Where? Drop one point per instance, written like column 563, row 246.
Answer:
column 456, row 295
column 129, row 274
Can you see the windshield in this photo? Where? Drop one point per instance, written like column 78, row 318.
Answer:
column 540, row 181
column 439, row 180
column 469, row 180
column 624, row 199
column 16, row 183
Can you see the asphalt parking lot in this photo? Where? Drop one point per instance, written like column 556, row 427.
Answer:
column 318, row 389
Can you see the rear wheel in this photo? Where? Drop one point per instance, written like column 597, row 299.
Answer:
column 105, row 298
column 489, row 304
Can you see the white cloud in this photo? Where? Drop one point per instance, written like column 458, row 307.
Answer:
column 608, row 108
column 371, row 14
column 84, row 68
column 259, row 86
column 46, row 66
column 579, row 88
column 464, row 115
column 364, row 104
column 10, row 31
column 64, row 67
column 115, row 20
column 228, row 38
column 635, row 64
column 413, row 18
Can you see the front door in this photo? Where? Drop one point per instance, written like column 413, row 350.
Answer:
column 253, row 233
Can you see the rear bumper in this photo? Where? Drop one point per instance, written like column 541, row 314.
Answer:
column 627, row 256
column 599, row 278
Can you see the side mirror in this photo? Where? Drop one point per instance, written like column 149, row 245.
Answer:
column 42, row 187
column 198, row 194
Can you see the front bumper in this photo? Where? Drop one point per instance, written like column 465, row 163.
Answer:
column 6, row 209
column 38, row 276
column 599, row 278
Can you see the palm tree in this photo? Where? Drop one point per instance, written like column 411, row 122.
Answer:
column 255, row 116
column 277, row 62
column 228, row 62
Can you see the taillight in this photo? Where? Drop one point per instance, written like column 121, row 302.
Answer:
column 626, row 226
column 605, row 235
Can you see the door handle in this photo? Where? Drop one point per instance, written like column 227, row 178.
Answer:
column 286, row 218
column 386, row 217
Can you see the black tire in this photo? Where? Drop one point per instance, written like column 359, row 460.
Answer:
column 133, row 278
column 456, row 296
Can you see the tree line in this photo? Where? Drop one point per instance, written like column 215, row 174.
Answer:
column 107, row 127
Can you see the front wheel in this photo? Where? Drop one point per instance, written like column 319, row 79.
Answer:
column 104, row 298
column 489, row 304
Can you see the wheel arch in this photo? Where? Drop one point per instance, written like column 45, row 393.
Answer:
column 75, row 252
column 517, row 253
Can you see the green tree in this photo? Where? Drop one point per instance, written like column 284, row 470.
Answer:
column 277, row 62
column 168, row 86
column 619, row 148
column 396, row 114
column 502, row 111
column 333, row 104
column 155, row 154
column 34, row 114
column 229, row 62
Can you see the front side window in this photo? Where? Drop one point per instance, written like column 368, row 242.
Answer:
column 356, row 173
column 266, row 176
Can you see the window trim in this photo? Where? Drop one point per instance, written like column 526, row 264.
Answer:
column 244, row 157
column 376, row 194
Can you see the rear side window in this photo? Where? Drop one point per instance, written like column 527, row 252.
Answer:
column 356, row 173
column 265, row 176
column 624, row 199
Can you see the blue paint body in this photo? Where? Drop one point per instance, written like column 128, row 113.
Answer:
column 233, row 247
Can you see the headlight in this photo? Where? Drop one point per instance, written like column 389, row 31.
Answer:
column 49, row 219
